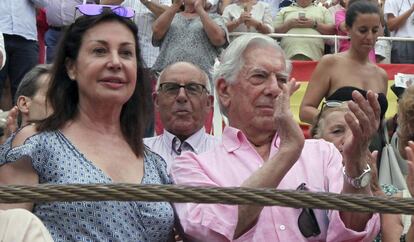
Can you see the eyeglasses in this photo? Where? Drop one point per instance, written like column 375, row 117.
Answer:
column 307, row 222
column 172, row 88
column 94, row 9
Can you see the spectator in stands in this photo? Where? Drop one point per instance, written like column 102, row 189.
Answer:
column 335, row 6
column 263, row 147
column 97, row 94
column 184, row 100
column 274, row 7
column 59, row 15
column 31, row 105
column 303, row 17
column 18, row 25
column 337, row 76
column 145, row 14
column 192, row 35
column 332, row 127
column 341, row 29
column 409, row 150
column 400, row 20
column 405, row 120
column 31, row 95
column 248, row 16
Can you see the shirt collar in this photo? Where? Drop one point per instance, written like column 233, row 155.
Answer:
column 234, row 139
column 194, row 140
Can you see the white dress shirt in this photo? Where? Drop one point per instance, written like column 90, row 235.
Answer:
column 163, row 144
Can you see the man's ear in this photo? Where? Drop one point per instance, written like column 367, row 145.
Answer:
column 222, row 88
column 70, row 69
column 23, row 103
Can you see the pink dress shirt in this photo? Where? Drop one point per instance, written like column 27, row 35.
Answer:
column 231, row 162
column 345, row 44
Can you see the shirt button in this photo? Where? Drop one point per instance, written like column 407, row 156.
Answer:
column 282, row 227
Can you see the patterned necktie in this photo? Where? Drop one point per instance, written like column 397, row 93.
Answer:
column 178, row 147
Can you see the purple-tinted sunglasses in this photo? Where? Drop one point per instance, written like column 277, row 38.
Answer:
column 94, row 9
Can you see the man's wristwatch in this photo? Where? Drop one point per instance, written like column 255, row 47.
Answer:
column 361, row 181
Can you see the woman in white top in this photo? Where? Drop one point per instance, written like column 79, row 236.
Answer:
column 248, row 16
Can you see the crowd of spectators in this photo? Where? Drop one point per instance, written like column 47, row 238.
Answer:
column 112, row 63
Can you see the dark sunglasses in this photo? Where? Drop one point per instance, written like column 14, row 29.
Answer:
column 307, row 222
column 172, row 88
column 95, row 9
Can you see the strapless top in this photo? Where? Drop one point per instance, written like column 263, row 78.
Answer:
column 345, row 94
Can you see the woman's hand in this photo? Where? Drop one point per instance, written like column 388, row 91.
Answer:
column 177, row 4
column 199, row 5
column 301, row 23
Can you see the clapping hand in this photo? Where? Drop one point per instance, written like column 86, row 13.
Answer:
column 291, row 135
column 363, row 121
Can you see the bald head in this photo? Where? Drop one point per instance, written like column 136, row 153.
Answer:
column 181, row 67
column 183, row 99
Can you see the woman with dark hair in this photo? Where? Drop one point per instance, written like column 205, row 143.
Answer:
column 337, row 76
column 341, row 29
column 95, row 134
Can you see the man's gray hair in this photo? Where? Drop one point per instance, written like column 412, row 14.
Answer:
column 203, row 74
column 232, row 59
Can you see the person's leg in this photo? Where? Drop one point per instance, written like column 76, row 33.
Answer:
column 52, row 37
column 402, row 52
column 25, row 57
column 5, row 71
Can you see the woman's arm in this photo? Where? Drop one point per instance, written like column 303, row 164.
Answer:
column 394, row 23
column 20, row 172
column 409, row 150
column 163, row 22
column 391, row 226
column 318, row 88
column 214, row 32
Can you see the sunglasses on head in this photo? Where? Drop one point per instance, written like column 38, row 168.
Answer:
column 331, row 104
column 307, row 222
column 95, row 9
column 326, row 105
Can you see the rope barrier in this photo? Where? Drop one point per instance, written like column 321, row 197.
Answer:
column 185, row 194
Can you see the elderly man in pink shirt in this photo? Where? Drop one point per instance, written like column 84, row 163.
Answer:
column 263, row 147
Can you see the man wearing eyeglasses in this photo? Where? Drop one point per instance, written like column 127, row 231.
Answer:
column 183, row 99
column 263, row 147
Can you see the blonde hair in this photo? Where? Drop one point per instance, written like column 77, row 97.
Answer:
column 318, row 123
column 405, row 119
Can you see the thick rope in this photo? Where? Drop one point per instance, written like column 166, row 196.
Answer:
column 224, row 195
